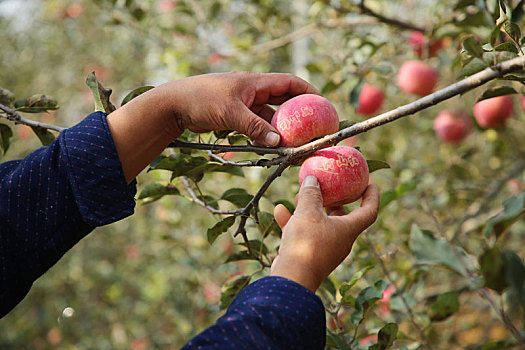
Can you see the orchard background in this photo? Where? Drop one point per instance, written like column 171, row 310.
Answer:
column 442, row 268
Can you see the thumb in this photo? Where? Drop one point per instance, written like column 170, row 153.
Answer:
column 309, row 198
column 255, row 127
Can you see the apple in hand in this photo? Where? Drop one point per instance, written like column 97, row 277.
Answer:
column 303, row 118
column 342, row 173
column 493, row 112
column 421, row 44
column 370, row 100
column 416, row 77
column 452, row 126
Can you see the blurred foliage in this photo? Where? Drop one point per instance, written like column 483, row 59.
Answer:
column 450, row 226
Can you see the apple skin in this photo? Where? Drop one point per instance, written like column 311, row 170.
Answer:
column 419, row 43
column 452, row 126
column 416, row 77
column 370, row 100
column 342, row 173
column 493, row 112
column 303, row 118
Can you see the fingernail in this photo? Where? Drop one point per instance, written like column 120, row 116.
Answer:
column 272, row 138
column 310, row 181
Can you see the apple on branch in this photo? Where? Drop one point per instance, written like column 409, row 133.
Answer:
column 303, row 118
column 452, row 126
column 342, row 173
column 416, row 77
column 370, row 100
column 493, row 112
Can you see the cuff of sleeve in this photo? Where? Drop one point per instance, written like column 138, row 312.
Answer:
column 302, row 308
column 95, row 172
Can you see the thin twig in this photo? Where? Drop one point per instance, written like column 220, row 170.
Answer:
column 365, row 10
column 401, row 292
column 226, row 148
column 197, row 200
column 15, row 117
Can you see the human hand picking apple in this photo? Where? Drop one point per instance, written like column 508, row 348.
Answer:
column 315, row 242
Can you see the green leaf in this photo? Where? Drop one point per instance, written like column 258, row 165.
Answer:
column 495, row 92
column 238, row 196
column 513, row 31
column 492, row 269
column 235, row 139
column 517, row 12
column 136, row 92
column 238, row 256
column 374, row 165
column 232, row 288
column 366, row 299
column 7, row 98
column 335, row 341
column 219, row 228
column 388, row 196
column 5, row 134
column 461, row 4
column 100, row 94
column 268, row 225
column 256, row 246
column 473, row 67
column 513, row 208
column 507, row 47
column 477, row 19
column 343, row 124
column 515, row 275
column 473, row 47
column 431, row 251
column 36, row 104
column 353, row 98
column 156, row 190
column 221, row 134
column 445, row 306
column 494, row 34
column 345, row 286
column 43, row 135
column 385, row 337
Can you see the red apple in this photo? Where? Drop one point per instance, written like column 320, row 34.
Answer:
column 165, row 6
column 522, row 100
column 452, row 126
column 423, row 46
column 416, row 77
column 370, row 99
column 303, row 118
column 342, row 173
column 493, row 112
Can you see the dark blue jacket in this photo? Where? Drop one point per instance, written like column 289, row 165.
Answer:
column 58, row 194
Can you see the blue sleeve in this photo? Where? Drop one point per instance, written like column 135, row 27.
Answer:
column 271, row 313
column 53, row 198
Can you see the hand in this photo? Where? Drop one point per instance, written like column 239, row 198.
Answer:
column 315, row 242
column 143, row 128
column 233, row 101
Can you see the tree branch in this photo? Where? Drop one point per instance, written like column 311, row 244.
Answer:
column 15, row 117
column 365, row 10
column 226, row 148
column 197, row 200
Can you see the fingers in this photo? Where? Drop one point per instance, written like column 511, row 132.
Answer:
column 282, row 215
column 255, row 127
column 309, row 200
column 264, row 111
column 275, row 88
column 365, row 215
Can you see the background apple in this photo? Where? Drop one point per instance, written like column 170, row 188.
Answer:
column 452, row 126
column 370, row 99
column 423, row 46
column 493, row 112
column 304, row 118
column 416, row 77
column 342, row 173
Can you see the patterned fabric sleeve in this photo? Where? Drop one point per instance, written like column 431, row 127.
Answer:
column 271, row 313
column 53, row 198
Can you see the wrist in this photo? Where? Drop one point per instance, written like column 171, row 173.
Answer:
column 297, row 272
